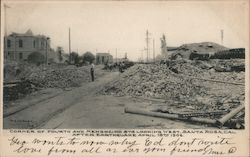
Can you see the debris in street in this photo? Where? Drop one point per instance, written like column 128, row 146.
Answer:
column 169, row 116
column 190, row 90
column 192, row 114
column 205, row 92
column 22, row 78
column 193, row 118
column 231, row 114
column 16, row 89
column 69, row 76
column 159, row 81
column 53, row 76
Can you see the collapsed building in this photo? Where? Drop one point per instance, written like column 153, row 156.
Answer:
column 205, row 51
column 228, row 54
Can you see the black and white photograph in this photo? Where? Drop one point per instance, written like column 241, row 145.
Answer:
column 124, row 64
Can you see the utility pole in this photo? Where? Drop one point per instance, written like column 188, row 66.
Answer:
column 154, row 49
column 142, row 57
column 5, row 28
column 5, row 19
column 147, row 43
column 14, row 54
column 222, row 36
column 46, row 51
column 116, row 55
column 69, row 47
column 142, row 51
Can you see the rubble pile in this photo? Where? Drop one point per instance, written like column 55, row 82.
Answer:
column 21, row 78
column 15, row 90
column 153, row 81
column 232, row 65
column 63, row 77
column 189, row 88
column 175, row 79
column 209, row 69
column 15, row 71
column 50, row 76
column 182, row 81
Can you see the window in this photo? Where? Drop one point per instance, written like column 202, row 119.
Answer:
column 20, row 55
column 20, row 43
column 42, row 44
column 34, row 44
column 102, row 59
column 8, row 43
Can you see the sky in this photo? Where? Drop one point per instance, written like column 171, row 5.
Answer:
column 106, row 26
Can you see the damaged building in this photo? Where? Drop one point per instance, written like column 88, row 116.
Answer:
column 28, row 47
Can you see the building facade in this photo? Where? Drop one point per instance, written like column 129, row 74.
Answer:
column 104, row 58
column 19, row 47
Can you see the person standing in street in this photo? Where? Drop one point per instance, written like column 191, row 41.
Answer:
column 92, row 72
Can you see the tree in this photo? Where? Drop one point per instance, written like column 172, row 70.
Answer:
column 75, row 58
column 36, row 57
column 88, row 57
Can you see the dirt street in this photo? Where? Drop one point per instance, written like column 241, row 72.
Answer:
column 82, row 108
column 108, row 112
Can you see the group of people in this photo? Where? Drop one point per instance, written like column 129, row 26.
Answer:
column 120, row 66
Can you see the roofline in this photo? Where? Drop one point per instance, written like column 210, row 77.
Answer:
column 25, row 35
column 35, row 36
column 104, row 53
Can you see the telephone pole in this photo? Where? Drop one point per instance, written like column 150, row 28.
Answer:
column 5, row 29
column 116, row 55
column 154, row 49
column 222, row 36
column 47, row 39
column 69, row 47
column 147, row 43
column 142, row 59
column 5, row 19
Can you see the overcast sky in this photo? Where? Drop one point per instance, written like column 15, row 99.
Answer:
column 105, row 26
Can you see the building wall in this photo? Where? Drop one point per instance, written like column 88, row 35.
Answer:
column 103, row 58
column 18, row 48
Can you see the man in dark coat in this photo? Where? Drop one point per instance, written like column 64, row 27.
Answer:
column 92, row 72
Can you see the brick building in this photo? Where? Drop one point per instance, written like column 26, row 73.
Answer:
column 19, row 46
